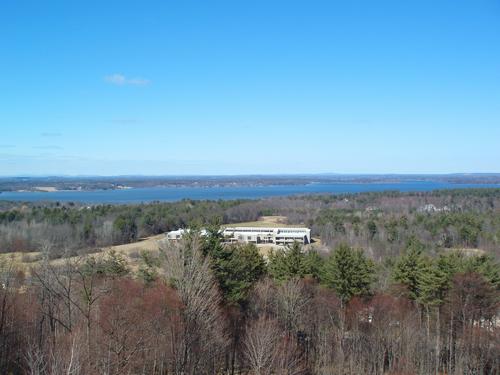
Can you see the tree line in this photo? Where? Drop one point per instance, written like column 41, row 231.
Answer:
column 380, row 223
column 202, row 307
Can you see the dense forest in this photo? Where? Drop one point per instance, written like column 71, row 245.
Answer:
column 200, row 307
column 380, row 223
column 401, row 284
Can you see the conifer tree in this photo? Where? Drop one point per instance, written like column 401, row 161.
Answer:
column 408, row 269
column 236, row 268
column 285, row 264
column 486, row 266
column 238, row 272
column 349, row 272
column 433, row 282
column 313, row 264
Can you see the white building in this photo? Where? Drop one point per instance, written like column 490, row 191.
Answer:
column 176, row 235
column 276, row 236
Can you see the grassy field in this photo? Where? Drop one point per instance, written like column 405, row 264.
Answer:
column 131, row 251
column 264, row 221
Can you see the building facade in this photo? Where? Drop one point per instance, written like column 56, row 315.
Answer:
column 176, row 235
column 276, row 236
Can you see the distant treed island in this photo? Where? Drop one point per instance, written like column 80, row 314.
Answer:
column 89, row 183
column 392, row 283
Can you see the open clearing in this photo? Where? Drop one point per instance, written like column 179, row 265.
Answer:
column 264, row 221
column 132, row 251
column 467, row 251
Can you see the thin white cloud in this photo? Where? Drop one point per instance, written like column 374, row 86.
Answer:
column 121, row 80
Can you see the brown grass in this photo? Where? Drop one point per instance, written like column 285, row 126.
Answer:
column 264, row 221
column 131, row 251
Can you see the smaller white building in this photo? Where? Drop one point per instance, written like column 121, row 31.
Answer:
column 176, row 235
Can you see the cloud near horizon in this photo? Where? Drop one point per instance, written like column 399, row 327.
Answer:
column 121, row 80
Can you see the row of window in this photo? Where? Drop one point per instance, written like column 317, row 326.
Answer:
column 260, row 230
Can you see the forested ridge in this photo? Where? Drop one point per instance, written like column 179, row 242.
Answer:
column 393, row 289
column 380, row 223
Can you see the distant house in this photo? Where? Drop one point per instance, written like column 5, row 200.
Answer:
column 276, row 236
column 429, row 208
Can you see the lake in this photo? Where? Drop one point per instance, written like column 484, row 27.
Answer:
column 170, row 194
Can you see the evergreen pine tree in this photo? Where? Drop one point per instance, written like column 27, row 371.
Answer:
column 408, row 269
column 433, row 282
column 313, row 264
column 285, row 264
column 486, row 266
column 349, row 272
column 236, row 268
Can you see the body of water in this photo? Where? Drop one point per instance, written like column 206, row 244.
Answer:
column 213, row 193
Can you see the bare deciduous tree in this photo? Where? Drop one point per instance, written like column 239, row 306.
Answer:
column 260, row 345
column 204, row 338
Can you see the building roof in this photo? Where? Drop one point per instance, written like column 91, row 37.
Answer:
column 267, row 230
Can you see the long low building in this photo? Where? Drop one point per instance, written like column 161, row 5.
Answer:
column 276, row 236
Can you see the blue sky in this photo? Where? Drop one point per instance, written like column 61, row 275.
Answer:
column 238, row 87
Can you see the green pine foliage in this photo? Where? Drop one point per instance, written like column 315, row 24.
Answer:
column 242, row 269
column 429, row 279
column 349, row 272
column 112, row 265
column 236, row 267
column 148, row 268
column 486, row 266
column 288, row 263
column 408, row 269
column 433, row 283
column 313, row 264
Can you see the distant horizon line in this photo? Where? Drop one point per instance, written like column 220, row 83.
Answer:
column 248, row 175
